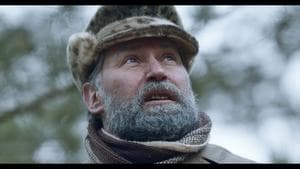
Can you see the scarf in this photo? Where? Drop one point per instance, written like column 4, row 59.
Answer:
column 103, row 147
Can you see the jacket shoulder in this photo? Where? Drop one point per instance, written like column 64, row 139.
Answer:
column 217, row 154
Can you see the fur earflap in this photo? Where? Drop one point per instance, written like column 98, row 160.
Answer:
column 80, row 50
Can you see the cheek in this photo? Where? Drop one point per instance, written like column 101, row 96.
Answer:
column 181, row 79
column 124, row 84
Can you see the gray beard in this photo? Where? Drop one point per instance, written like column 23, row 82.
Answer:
column 128, row 120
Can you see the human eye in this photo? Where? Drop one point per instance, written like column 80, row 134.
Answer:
column 131, row 60
column 170, row 58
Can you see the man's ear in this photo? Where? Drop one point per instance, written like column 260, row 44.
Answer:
column 93, row 101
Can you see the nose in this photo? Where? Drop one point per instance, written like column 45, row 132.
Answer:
column 155, row 72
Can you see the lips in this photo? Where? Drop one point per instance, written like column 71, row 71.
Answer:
column 155, row 97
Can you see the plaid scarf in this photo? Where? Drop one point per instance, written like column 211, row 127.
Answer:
column 103, row 147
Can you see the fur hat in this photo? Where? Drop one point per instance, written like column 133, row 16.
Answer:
column 114, row 24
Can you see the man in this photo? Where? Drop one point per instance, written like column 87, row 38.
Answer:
column 131, row 66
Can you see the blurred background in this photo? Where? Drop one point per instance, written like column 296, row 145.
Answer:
column 246, row 78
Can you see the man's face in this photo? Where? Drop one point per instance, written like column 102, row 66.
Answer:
column 146, row 91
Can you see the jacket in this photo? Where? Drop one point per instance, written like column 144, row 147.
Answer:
column 213, row 154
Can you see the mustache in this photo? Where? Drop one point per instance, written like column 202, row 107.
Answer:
column 167, row 88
